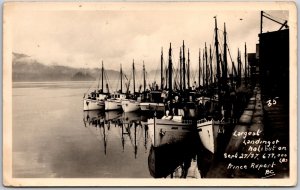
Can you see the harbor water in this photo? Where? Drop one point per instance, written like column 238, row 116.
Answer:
column 54, row 137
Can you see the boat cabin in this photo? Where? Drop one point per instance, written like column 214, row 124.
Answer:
column 156, row 96
column 118, row 96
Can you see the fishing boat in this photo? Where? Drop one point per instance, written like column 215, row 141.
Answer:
column 152, row 106
column 115, row 102
column 209, row 130
column 129, row 105
column 95, row 99
column 132, row 104
column 153, row 101
column 172, row 128
column 169, row 130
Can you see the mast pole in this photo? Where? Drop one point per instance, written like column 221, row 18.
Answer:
column 188, row 69
column 144, row 74
column 133, row 73
column 245, row 63
column 206, row 78
column 261, row 21
column 121, row 74
column 203, row 67
column 102, row 75
column 211, row 67
column 183, row 65
column 161, row 69
column 180, row 69
column 217, row 59
column 239, row 67
column 199, row 70
column 170, row 73
column 225, row 56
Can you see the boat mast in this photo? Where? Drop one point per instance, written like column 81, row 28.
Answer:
column 225, row 56
column 144, row 74
column 239, row 68
column 180, row 69
column 102, row 75
column 188, row 69
column 133, row 76
column 245, row 63
column 121, row 73
column 211, row 67
column 217, row 59
column 199, row 70
column 161, row 69
column 170, row 73
column 206, row 78
column 203, row 73
column 183, row 65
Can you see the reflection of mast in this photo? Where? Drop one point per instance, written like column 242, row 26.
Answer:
column 135, row 146
column 146, row 136
column 126, row 131
column 104, row 137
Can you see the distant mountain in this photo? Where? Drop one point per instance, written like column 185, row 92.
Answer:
column 80, row 76
column 24, row 68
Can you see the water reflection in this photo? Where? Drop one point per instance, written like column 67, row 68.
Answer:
column 130, row 127
column 185, row 160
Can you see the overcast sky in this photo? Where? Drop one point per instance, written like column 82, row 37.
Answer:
column 85, row 38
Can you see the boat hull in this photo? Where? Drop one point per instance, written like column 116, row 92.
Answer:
column 150, row 106
column 130, row 105
column 165, row 132
column 89, row 104
column 208, row 132
column 113, row 105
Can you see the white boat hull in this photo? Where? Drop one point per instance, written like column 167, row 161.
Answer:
column 208, row 132
column 113, row 105
column 130, row 105
column 163, row 132
column 89, row 104
column 150, row 106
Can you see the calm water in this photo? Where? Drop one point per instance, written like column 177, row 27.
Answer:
column 53, row 137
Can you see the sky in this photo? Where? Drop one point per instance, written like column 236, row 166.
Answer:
column 83, row 39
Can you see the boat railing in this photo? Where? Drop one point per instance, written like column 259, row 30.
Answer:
column 202, row 120
column 187, row 121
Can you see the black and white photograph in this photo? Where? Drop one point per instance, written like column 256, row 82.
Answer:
column 149, row 94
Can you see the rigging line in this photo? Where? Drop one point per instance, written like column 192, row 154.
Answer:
column 274, row 17
column 107, row 79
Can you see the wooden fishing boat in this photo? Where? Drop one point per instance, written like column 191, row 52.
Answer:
column 132, row 104
column 209, row 131
column 115, row 102
column 173, row 128
column 95, row 99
